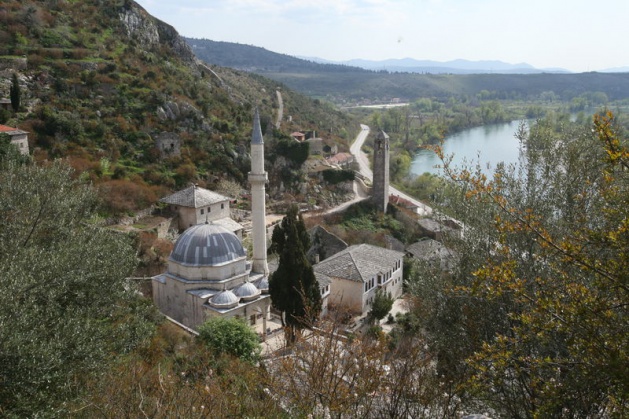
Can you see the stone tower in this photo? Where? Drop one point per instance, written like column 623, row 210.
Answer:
column 258, row 178
column 380, row 190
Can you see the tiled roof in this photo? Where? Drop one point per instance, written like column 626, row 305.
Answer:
column 11, row 130
column 359, row 263
column 428, row 249
column 194, row 197
column 229, row 224
column 323, row 279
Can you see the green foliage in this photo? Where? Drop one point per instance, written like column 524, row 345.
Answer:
column 295, row 152
column 382, row 304
column 293, row 287
column 337, row 176
column 15, row 93
column 535, row 315
column 65, row 306
column 231, row 336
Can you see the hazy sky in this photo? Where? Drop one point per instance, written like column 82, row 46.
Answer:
column 578, row 35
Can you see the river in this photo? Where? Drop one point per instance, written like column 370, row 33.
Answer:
column 488, row 144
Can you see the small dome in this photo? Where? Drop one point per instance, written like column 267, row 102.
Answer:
column 247, row 291
column 207, row 245
column 224, row 299
column 263, row 284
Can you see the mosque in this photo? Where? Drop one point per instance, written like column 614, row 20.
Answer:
column 208, row 272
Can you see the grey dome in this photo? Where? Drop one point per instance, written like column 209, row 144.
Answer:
column 247, row 291
column 207, row 245
column 263, row 284
column 224, row 299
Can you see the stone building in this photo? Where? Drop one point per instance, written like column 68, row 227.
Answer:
column 380, row 190
column 168, row 144
column 208, row 273
column 323, row 244
column 196, row 205
column 17, row 137
column 356, row 273
column 432, row 252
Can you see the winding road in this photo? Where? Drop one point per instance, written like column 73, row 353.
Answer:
column 363, row 163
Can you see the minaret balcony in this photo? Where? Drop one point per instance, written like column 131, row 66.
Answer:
column 258, row 177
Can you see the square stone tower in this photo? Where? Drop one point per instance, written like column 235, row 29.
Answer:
column 380, row 189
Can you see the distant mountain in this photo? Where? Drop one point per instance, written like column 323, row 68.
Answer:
column 259, row 60
column 616, row 70
column 410, row 65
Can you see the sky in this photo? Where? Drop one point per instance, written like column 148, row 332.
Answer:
column 577, row 35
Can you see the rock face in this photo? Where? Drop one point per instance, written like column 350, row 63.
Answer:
column 150, row 32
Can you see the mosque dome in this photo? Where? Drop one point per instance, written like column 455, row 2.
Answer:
column 224, row 299
column 247, row 291
column 207, row 245
column 263, row 284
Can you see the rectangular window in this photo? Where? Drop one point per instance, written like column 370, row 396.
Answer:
column 222, row 206
column 209, row 209
column 201, row 211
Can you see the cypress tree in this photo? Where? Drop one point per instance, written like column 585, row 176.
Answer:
column 15, row 93
column 293, row 287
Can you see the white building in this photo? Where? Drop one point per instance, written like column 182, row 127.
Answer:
column 208, row 275
column 196, row 205
column 357, row 272
column 17, row 137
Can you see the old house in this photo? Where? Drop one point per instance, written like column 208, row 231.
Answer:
column 357, row 272
column 168, row 144
column 315, row 146
column 17, row 137
column 323, row 244
column 196, row 205
column 438, row 228
column 298, row 136
column 343, row 160
column 434, row 253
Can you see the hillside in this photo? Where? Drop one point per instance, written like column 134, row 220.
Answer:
column 110, row 88
column 351, row 88
column 349, row 85
column 260, row 60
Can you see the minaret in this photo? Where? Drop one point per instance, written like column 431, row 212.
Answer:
column 380, row 191
column 258, row 178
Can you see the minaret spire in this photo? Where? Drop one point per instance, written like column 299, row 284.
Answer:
column 258, row 178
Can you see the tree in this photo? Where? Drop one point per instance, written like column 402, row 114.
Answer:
column 15, row 93
column 65, row 306
column 535, row 315
column 231, row 336
column 382, row 304
column 329, row 375
column 293, row 287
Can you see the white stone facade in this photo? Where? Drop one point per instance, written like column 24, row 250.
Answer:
column 357, row 272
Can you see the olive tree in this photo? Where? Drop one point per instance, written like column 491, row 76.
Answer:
column 65, row 306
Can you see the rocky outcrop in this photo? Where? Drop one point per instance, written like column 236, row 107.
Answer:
column 151, row 33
